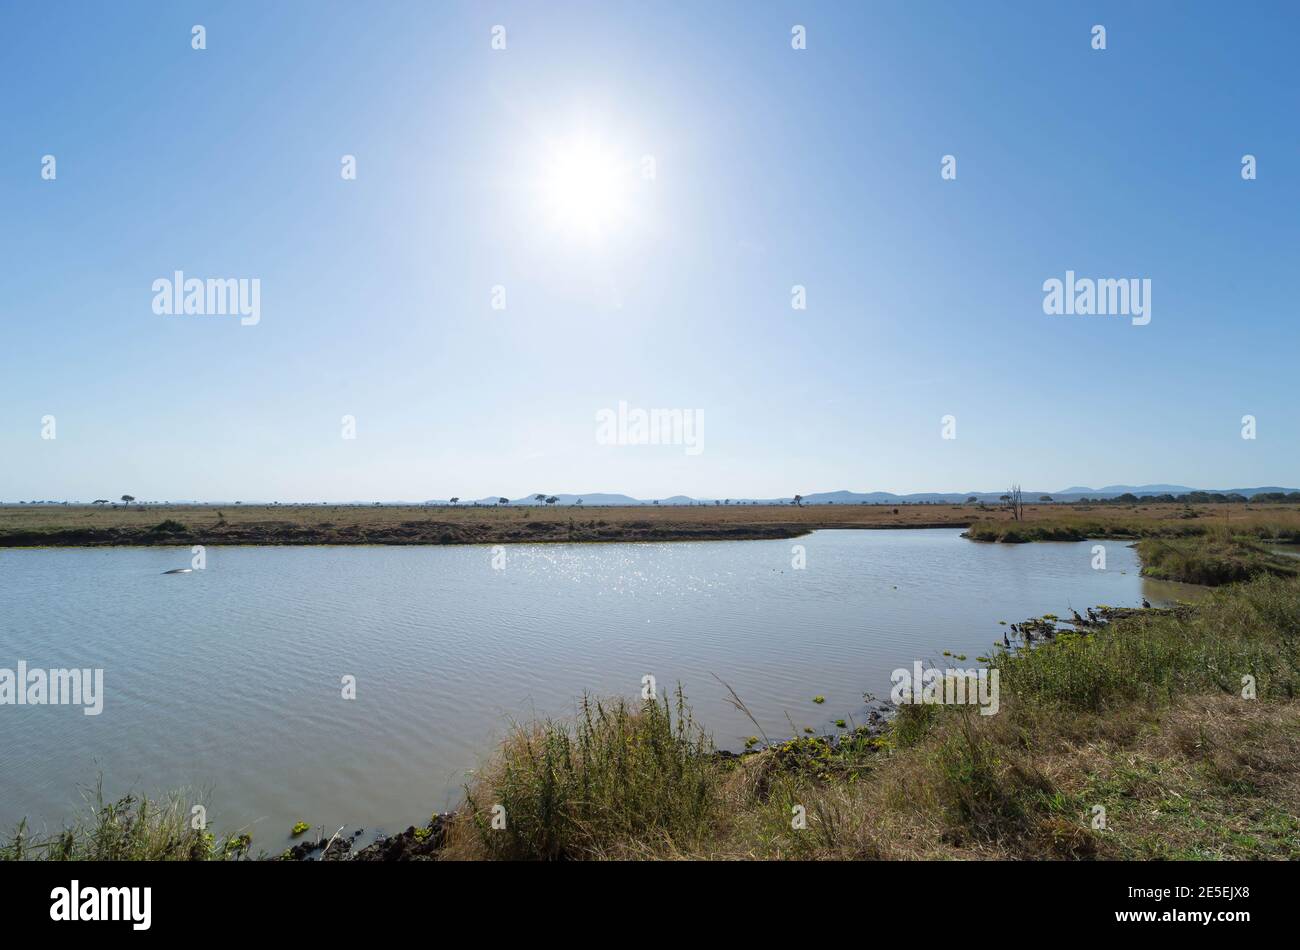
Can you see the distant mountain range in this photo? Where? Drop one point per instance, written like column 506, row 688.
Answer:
column 1073, row 493
column 597, row 499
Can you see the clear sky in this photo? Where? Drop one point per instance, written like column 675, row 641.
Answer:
column 523, row 168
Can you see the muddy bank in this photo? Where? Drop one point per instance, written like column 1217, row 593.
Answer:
column 413, row 844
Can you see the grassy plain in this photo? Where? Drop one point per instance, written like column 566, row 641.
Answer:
column 75, row 525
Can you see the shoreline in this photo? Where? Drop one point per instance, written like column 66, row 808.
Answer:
column 116, row 538
column 920, row 741
column 342, row 525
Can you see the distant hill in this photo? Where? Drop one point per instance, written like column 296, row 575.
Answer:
column 845, row 497
column 1137, row 490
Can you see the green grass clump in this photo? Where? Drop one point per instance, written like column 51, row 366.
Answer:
column 130, row 828
column 1020, row 532
column 621, row 772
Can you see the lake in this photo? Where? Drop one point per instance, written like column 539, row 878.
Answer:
column 228, row 680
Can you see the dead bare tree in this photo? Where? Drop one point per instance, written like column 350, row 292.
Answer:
column 1014, row 503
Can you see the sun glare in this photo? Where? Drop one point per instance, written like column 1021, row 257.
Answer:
column 584, row 189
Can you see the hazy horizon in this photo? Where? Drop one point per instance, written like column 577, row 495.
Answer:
column 470, row 498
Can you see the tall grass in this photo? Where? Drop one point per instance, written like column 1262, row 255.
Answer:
column 621, row 772
column 131, row 828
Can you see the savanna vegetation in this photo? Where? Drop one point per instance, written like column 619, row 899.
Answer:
column 38, row 525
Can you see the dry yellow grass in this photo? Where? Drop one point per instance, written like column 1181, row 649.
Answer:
column 419, row 524
column 1209, row 777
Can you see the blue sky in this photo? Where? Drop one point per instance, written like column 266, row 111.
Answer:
column 773, row 167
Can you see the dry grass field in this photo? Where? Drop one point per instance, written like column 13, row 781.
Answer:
column 64, row 525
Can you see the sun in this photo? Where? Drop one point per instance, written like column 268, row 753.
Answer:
column 584, row 188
